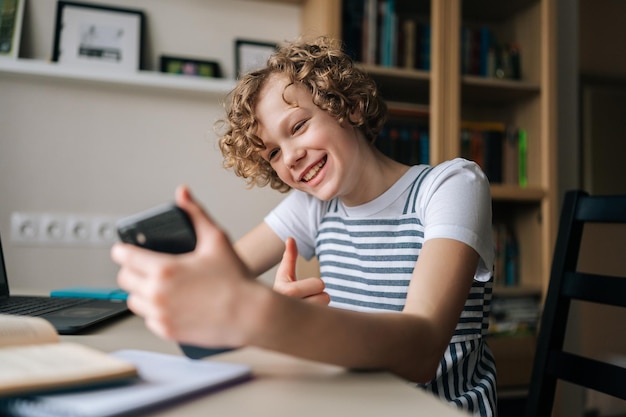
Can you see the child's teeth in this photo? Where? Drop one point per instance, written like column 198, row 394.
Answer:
column 313, row 171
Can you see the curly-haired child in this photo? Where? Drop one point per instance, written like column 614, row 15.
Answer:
column 405, row 252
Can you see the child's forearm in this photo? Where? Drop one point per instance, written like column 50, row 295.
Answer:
column 260, row 249
column 402, row 343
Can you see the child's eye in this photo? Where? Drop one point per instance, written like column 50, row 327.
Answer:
column 298, row 126
column 271, row 154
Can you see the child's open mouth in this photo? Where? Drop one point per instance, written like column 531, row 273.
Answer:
column 313, row 171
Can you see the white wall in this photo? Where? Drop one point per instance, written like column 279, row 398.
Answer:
column 89, row 148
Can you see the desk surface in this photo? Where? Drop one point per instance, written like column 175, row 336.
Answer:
column 282, row 385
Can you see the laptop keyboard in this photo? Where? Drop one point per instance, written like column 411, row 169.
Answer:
column 36, row 306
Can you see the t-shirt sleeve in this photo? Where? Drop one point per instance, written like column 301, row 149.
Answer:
column 297, row 216
column 457, row 205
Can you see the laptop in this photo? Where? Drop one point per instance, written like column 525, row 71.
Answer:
column 67, row 315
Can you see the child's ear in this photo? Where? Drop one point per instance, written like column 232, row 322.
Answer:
column 355, row 117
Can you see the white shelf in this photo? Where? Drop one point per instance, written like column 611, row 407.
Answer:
column 142, row 79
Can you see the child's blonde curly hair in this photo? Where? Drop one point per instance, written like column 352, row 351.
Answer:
column 337, row 86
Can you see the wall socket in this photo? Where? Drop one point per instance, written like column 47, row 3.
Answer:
column 63, row 229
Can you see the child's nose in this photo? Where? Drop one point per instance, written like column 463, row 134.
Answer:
column 292, row 155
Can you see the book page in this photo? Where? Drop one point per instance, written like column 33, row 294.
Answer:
column 56, row 365
column 163, row 378
column 22, row 330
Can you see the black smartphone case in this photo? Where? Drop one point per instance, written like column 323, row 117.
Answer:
column 165, row 228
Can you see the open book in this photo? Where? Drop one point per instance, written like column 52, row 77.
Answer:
column 163, row 379
column 33, row 358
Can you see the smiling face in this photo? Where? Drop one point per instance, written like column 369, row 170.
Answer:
column 308, row 148
column 336, row 86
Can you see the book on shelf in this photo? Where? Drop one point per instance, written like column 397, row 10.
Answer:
column 388, row 33
column 407, row 44
column 499, row 149
column 522, row 167
column 352, row 24
column 510, row 156
column 370, row 32
column 406, row 140
column 515, row 313
column 35, row 359
column 506, row 265
column 483, row 55
column 360, row 29
column 374, row 32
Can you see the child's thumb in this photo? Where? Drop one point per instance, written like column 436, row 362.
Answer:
column 286, row 271
column 199, row 217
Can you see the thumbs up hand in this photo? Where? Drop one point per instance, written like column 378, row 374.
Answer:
column 309, row 289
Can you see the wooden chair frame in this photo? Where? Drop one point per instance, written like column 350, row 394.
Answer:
column 552, row 363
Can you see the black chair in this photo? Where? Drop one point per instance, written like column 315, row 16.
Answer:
column 552, row 363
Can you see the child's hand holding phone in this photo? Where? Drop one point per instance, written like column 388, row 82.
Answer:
column 166, row 228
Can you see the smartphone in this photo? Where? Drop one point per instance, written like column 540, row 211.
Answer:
column 166, row 228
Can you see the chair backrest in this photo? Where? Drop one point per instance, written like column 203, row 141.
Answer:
column 552, row 363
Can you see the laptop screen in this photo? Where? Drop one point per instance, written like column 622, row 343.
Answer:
column 4, row 282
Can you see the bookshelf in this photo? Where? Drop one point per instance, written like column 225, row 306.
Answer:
column 449, row 97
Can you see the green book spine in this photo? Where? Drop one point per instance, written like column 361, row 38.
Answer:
column 523, row 154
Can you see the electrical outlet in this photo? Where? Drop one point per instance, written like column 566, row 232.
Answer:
column 63, row 229
column 103, row 230
column 24, row 227
column 78, row 230
column 52, row 228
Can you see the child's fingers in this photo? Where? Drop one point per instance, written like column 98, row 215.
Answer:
column 286, row 271
column 308, row 287
column 202, row 222
column 185, row 200
column 319, row 298
column 141, row 261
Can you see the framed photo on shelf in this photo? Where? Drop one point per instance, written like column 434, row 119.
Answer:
column 190, row 66
column 251, row 55
column 98, row 37
column 11, row 12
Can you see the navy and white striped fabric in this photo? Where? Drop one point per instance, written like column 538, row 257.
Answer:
column 367, row 260
column 367, row 265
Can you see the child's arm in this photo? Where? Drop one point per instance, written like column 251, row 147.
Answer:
column 207, row 298
column 410, row 344
column 260, row 249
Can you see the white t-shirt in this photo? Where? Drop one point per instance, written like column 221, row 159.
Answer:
column 367, row 255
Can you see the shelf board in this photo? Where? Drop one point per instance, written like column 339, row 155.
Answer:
column 395, row 72
column 503, row 192
column 139, row 79
column 516, row 291
column 408, row 109
column 298, row 2
column 493, row 9
column 494, row 90
column 400, row 84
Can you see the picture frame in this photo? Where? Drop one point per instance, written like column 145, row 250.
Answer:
column 189, row 66
column 11, row 16
column 96, row 36
column 251, row 55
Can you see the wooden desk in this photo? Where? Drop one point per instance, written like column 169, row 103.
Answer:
column 282, row 385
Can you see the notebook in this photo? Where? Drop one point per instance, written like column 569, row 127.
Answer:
column 162, row 379
column 67, row 315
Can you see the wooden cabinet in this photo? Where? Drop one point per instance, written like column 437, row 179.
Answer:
column 452, row 97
